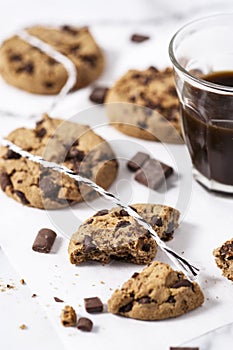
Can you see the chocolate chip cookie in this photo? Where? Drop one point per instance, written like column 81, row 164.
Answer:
column 156, row 293
column 114, row 234
column 224, row 258
column 28, row 68
column 71, row 144
column 148, row 106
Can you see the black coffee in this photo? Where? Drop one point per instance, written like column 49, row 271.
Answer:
column 208, row 128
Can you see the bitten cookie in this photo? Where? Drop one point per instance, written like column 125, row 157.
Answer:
column 149, row 106
column 71, row 144
column 224, row 258
column 28, row 68
column 157, row 293
column 114, row 234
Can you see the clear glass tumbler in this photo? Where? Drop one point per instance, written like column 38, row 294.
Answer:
column 197, row 50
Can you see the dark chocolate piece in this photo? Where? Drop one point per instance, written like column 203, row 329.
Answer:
column 126, row 308
column 44, row 240
column 123, row 212
column 15, row 57
column 27, row 68
column 12, row 155
column 58, row 300
column 226, row 251
column 5, row 181
column 21, row 196
column 85, row 324
column 139, row 38
column 182, row 283
column 152, row 173
column 121, row 224
column 98, row 94
column 41, row 132
column 101, row 212
column 134, row 275
column 88, row 244
column 156, row 220
column 93, row 305
column 137, row 161
column 144, row 300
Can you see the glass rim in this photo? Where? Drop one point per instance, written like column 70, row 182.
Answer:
column 213, row 86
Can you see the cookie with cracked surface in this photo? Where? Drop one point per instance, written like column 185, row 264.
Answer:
column 149, row 106
column 71, row 144
column 28, row 68
column 156, row 293
column 113, row 234
column 224, row 258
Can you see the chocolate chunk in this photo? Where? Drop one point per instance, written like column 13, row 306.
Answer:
column 58, row 300
column 171, row 299
column 69, row 30
column 85, row 324
column 139, row 38
column 126, row 308
column 101, row 212
column 98, row 94
column 182, row 348
column 122, row 224
column 135, row 274
column 48, row 187
column 34, row 295
column 41, row 132
column 27, row 68
column 146, row 247
column 5, row 181
column 182, row 283
column 93, row 305
column 89, row 221
column 156, row 220
column 144, row 300
column 74, row 48
column 44, row 240
column 21, row 196
column 123, row 212
column 12, row 155
column 152, row 173
column 15, row 57
column 137, row 161
column 88, row 244
column 226, row 251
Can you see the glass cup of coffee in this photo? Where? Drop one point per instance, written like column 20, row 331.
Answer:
column 202, row 56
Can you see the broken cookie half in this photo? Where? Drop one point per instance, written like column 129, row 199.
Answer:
column 114, row 234
column 157, row 293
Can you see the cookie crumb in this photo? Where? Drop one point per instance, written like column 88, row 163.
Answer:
column 68, row 316
column 34, row 295
column 23, row 326
column 22, row 281
column 58, row 300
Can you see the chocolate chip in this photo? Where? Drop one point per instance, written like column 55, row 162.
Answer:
column 93, row 305
column 90, row 59
column 135, row 274
column 48, row 84
column 74, row 48
column 48, row 187
column 146, row 247
column 75, row 153
column 171, row 299
column 101, row 212
column 89, row 221
column 122, row 224
column 85, row 324
column 41, row 132
column 136, row 76
column 21, row 196
column 142, row 125
column 98, row 94
column 182, row 283
column 12, row 155
column 52, row 61
column 123, row 212
column 27, row 68
column 126, row 308
column 226, row 251
column 132, row 99
column 88, row 244
column 139, row 38
column 58, row 300
column 34, row 295
column 152, row 173
column 44, row 240
column 137, row 161
column 144, row 300
column 156, row 220
column 15, row 57
column 153, row 69
column 69, row 30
